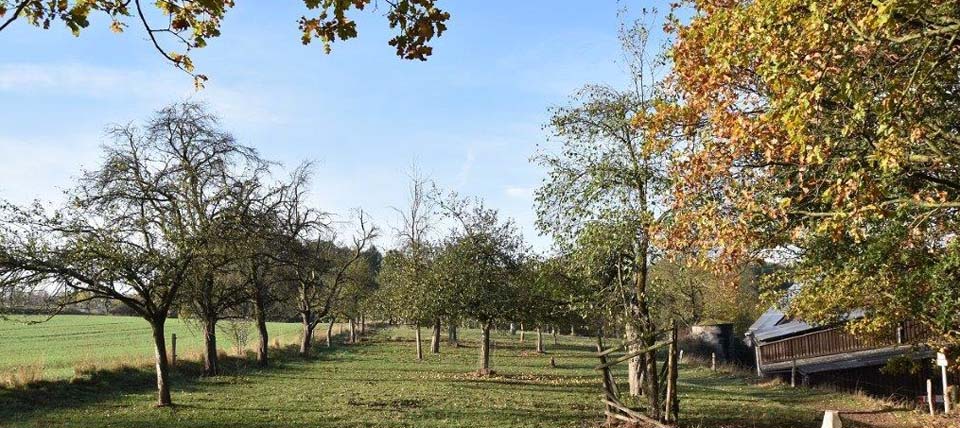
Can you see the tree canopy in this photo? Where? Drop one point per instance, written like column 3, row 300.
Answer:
column 824, row 135
column 189, row 25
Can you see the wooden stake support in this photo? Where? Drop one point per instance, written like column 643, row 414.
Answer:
column 615, row 410
column 671, row 405
column 630, row 355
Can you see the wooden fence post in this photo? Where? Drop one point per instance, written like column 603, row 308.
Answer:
column 609, row 386
column 930, row 395
column 757, row 355
column 672, row 408
column 946, row 387
column 793, row 374
column 173, row 349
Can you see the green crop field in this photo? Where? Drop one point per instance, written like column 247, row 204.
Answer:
column 374, row 383
column 63, row 342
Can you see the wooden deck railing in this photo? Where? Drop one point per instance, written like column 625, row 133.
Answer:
column 835, row 340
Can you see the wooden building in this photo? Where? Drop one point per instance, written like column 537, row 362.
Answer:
column 827, row 354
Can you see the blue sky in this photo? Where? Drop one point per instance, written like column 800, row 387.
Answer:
column 470, row 117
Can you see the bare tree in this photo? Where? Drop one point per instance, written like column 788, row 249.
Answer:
column 318, row 265
column 136, row 229
column 260, row 251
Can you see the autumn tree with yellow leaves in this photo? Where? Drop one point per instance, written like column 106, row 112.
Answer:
column 824, row 135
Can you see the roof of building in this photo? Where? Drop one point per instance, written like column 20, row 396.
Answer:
column 774, row 324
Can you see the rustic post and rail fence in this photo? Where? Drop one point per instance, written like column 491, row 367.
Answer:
column 614, row 408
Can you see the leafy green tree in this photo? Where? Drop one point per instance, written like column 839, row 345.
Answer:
column 361, row 286
column 483, row 259
column 191, row 24
column 690, row 294
column 413, row 289
column 408, row 276
column 548, row 296
column 605, row 192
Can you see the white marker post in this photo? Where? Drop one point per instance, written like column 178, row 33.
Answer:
column 831, row 419
column 930, row 395
column 942, row 362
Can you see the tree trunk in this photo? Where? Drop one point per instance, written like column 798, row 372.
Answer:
column 330, row 332
column 363, row 324
column 210, row 346
column 539, row 340
column 419, row 344
column 634, row 369
column 263, row 340
column 353, row 330
column 452, row 334
column 651, row 375
column 162, row 365
column 555, row 340
column 651, row 381
column 485, row 349
column 307, row 338
column 522, row 333
column 513, row 329
column 573, row 331
column 435, row 339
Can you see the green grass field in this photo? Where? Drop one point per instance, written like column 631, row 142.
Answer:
column 64, row 341
column 376, row 383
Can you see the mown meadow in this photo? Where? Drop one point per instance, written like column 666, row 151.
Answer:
column 377, row 382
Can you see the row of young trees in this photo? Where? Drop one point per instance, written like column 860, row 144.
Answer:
column 181, row 220
column 480, row 270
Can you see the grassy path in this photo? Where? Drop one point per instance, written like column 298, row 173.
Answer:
column 379, row 383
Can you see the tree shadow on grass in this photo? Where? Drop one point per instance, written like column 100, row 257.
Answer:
column 21, row 405
column 719, row 399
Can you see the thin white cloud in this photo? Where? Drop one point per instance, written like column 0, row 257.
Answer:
column 519, row 192
column 155, row 88
column 464, row 175
column 85, row 79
